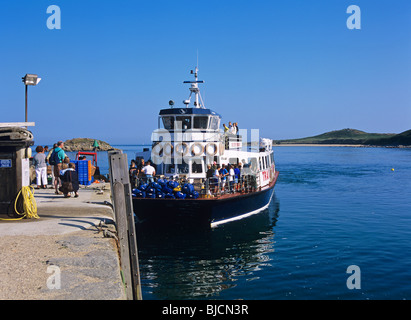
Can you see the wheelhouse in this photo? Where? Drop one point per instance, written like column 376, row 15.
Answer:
column 196, row 119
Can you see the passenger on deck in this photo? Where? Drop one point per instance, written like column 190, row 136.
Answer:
column 140, row 167
column 231, row 175
column 209, row 177
column 223, row 174
column 133, row 173
column 233, row 129
column 149, row 171
column 216, row 177
column 237, row 180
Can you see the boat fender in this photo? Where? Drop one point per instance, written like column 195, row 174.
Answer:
column 193, row 149
column 211, row 145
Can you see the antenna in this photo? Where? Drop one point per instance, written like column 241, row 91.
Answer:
column 198, row 103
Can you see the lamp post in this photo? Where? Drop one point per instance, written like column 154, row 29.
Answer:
column 30, row 80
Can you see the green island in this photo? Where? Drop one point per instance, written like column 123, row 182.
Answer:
column 353, row 137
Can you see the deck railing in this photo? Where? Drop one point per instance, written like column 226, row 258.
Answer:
column 212, row 187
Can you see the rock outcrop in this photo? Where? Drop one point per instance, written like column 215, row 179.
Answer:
column 85, row 144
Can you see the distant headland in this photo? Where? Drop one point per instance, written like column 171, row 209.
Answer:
column 353, row 137
column 86, row 144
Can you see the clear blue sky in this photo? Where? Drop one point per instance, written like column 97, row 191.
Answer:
column 290, row 68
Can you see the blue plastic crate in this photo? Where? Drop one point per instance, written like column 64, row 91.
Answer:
column 82, row 171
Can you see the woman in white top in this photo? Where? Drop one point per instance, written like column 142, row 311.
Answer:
column 231, row 175
column 39, row 162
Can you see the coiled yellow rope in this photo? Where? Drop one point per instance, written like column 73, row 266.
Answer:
column 29, row 204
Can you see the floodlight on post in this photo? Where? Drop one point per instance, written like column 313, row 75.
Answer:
column 30, row 80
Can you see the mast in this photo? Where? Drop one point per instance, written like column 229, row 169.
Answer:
column 196, row 90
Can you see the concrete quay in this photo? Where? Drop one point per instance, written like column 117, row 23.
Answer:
column 64, row 255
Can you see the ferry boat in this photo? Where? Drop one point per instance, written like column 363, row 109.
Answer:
column 187, row 144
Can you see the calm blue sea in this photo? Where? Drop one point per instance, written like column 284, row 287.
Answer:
column 333, row 207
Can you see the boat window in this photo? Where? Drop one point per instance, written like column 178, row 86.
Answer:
column 168, row 123
column 266, row 162
column 214, row 123
column 182, row 168
column 196, row 166
column 169, row 168
column 200, row 122
column 253, row 164
column 184, row 122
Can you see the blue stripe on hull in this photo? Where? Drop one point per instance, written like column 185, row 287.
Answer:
column 241, row 207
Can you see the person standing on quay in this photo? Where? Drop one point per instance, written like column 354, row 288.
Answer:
column 40, row 165
column 51, row 165
column 57, row 157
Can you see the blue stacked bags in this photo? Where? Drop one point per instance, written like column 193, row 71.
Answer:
column 180, row 195
column 188, row 190
column 193, row 195
column 163, row 189
column 139, row 193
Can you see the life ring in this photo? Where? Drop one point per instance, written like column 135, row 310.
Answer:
column 167, row 153
column 181, row 148
column 207, row 149
column 193, row 147
column 156, row 153
column 156, row 150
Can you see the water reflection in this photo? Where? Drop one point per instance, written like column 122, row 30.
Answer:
column 181, row 263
